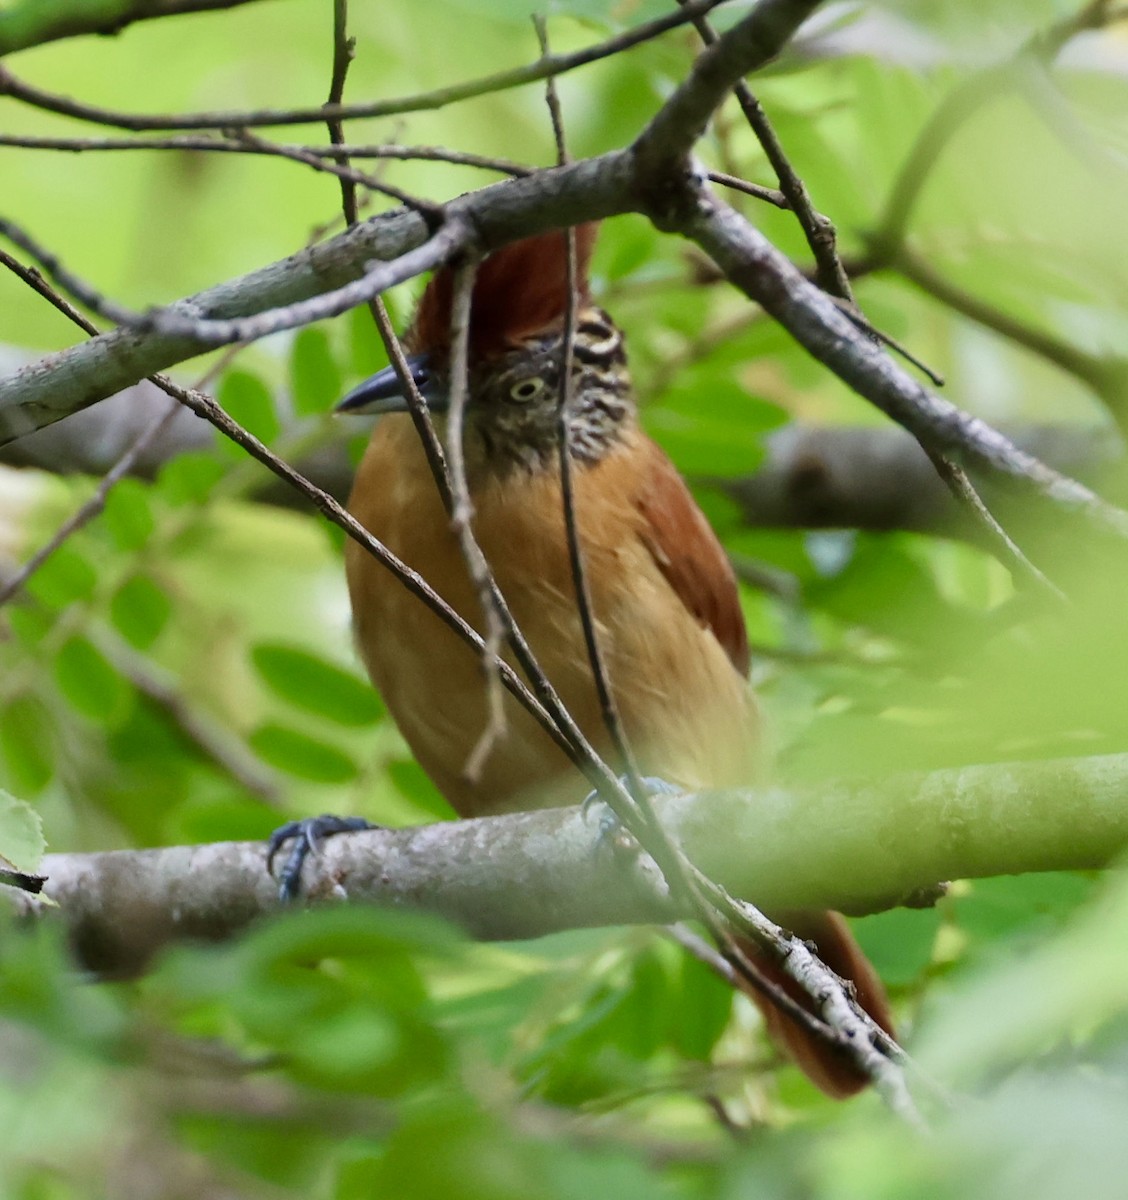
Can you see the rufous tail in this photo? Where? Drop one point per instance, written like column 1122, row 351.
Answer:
column 828, row 1067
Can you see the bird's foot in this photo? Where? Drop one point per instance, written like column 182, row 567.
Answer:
column 306, row 836
column 611, row 831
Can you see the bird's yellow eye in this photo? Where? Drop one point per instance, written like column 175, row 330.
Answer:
column 527, row 389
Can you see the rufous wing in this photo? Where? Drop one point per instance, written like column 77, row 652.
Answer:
column 686, row 551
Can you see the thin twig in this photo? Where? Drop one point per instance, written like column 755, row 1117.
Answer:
column 420, row 102
column 144, row 676
column 830, row 273
column 343, row 48
column 92, row 507
column 206, row 407
column 679, row 874
column 231, row 145
column 818, row 230
column 670, row 135
column 1005, row 549
column 811, row 317
column 849, row 309
column 379, row 276
column 447, row 479
column 462, row 515
column 608, row 706
column 432, row 213
column 582, row 753
column 70, row 283
column 770, row 195
column 841, row 1021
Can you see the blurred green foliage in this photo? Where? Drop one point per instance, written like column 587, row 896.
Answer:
column 181, row 670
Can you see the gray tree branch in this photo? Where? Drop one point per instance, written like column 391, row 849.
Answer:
column 856, row 845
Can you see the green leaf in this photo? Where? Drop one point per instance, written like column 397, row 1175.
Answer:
column 899, row 942
column 883, row 586
column 366, row 352
column 412, row 782
column 315, row 380
column 702, row 1011
column 66, row 576
column 309, row 682
column 89, row 682
column 190, row 478
column 128, row 514
column 710, row 425
column 342, row 998
column 140, row 610
column 1020, row 907
column 21, row 834
column 29, row 623
column 246, row 399
column 27, row 742
column 301, row 756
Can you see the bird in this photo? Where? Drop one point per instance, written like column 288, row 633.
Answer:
column 664, row 597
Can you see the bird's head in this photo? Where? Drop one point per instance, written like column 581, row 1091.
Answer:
column 518, row 312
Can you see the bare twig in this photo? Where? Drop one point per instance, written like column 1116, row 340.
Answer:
column 765, row 275
column 668, row 139
column 818, row 230
column 349, row 176
column 830, row 274
column 90, row 508
column 343, row 49
column 850, row 309
column 420, row 102
column 872, row 1051
column 70, row 283
column 144, row 676
column 415, row 583
column 379, row 277
column 680, row 876
column 610, row 710
column 178, row 322
column 209, row 143
column 1002, row 545
column 462, row 514
column 769, row 195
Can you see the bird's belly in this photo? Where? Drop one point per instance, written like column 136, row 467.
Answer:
column 688, row 716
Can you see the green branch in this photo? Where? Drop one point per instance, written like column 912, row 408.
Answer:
column 34, row 22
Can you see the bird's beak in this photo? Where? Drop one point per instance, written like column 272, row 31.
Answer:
column 383, row 393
